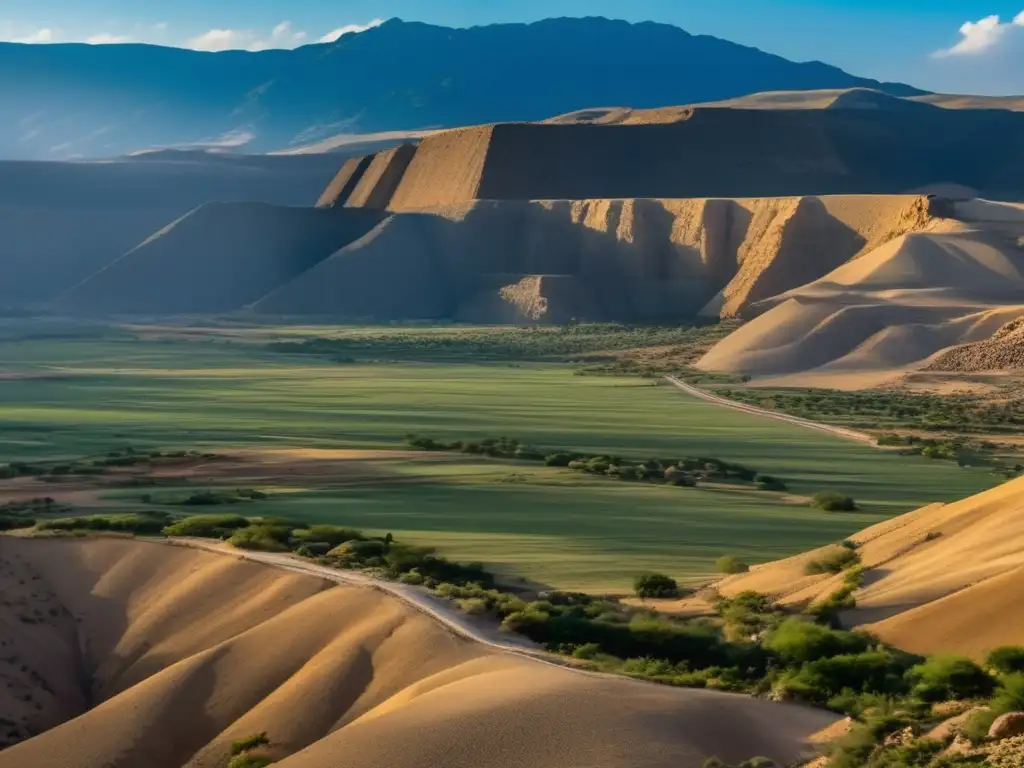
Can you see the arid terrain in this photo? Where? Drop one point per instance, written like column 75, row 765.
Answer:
column 166, row 656
column 478, row 425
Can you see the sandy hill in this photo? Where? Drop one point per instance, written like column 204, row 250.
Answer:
column 843, row 142
column 218, row 258
column 945, row 578
column 957, row 281
column 63, row 221
column 120, row 654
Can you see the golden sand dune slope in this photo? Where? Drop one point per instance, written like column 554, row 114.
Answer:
column 889, row 310
column 945, row 578
column 143, row 654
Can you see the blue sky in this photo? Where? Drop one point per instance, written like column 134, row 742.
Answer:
column 948, row 45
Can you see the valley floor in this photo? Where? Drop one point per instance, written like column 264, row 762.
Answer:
column 88, row 392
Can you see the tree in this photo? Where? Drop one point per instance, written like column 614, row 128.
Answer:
column 655, row 585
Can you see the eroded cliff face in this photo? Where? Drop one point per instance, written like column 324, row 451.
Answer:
column 629, row 260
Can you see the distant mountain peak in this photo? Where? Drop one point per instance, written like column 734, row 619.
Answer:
column 99, row 101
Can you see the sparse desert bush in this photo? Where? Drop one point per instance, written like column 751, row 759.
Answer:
column 473, row 606
column 207, row 526
column 361, row 549
column 831, row 501
column 218, row 498
column 730, row 564
column 945, row 678
column 249, row 760
column 833, row 561
column 655, row 585
column 261, row 538
column 249, row 743
column 142, row 525
column 332, row 535
column 558, row 460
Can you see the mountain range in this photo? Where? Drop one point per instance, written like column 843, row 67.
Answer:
column 83, row 101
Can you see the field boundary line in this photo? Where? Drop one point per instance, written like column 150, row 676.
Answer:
column 703, row 394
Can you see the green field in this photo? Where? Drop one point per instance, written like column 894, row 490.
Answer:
column 549, row 526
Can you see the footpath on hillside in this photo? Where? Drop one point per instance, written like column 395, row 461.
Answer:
column 703, row 394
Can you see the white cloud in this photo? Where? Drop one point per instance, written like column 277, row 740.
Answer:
column 105, row 38
column 977, row 37
column 348, row 29
column 220, row 40
column 44, row 35
column 281, row 36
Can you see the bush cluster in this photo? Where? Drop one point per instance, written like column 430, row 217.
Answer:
column 138, row 524
column 529, row 343
column 207, row 526
column 218, row 498
column 835, row 560
column 655, row 585
column 831, row 501
column 683, row 472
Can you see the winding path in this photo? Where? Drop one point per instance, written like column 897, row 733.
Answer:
column 436, row 608
column 703, row 394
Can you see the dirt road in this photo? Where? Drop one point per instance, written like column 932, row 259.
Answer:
column 846, row 434
column 438, row 609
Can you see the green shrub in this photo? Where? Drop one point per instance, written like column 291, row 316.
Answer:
column 824, row 679
column 362, row 549
column 730, row 564
column 250, row 761
column 142, row 525
column 473, row 606
column 833, row 561
column 207, row 526
column 558, row 460
column 8, row 523
column 249, row 743
column 1009, row 698
column 831, row 501
column 332, row 535
column 796, row 642
column 261, row 538
column 587, row 651
column 1006, row 660
column 943, row 678
column 655, row 585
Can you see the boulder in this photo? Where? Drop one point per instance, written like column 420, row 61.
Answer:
column 1007, row 726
